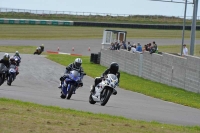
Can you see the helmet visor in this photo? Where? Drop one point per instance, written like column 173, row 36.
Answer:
column 78, row 64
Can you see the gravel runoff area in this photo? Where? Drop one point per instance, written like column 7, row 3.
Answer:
column 39, row 78
column 82, row 46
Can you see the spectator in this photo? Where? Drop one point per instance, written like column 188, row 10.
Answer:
column 185, row 50
column 145, row 48
column 153, row 48
column 129, row 46
column 123, row 45
column 139, row 47
column 133, row 48
column 112, row 47
column 117, row 46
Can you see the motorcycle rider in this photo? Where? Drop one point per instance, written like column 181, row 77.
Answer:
column 5, row 61
column 17, row 54
column 113, row 69
column 76, row 65
column 42, row 48
column 13, row 62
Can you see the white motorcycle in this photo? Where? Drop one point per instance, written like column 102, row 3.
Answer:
column 104, row 90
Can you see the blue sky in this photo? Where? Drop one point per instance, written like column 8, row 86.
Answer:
column 135, row 7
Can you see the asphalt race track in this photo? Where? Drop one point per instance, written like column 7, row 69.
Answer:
column 39, row 78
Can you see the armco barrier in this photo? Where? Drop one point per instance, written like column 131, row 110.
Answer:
column 35, row 22
column 168, row 69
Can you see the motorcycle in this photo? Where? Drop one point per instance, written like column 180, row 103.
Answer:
column 38, row 51
column 3, row 73
column 71, row 83
column 11, row 74
column 104, row 90
column 17, row 60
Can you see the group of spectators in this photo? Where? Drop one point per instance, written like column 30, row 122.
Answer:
column 151, row 47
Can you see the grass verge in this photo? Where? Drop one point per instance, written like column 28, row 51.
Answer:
column 136, row 84
column 18, row 117
column 21, row 49
column 78, row 32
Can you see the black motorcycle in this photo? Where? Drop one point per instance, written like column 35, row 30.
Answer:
column 3, row 73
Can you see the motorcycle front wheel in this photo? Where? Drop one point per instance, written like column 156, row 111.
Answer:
column 105, row 95
column 9, row 80
column 69, row 94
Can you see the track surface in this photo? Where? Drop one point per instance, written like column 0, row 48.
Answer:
column 38, row 82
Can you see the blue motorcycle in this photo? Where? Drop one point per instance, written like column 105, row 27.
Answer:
column 71, row 83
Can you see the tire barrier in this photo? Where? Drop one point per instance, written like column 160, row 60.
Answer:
column 138, row 26
column 35, row 22
column 95, row 58
column 92, row 57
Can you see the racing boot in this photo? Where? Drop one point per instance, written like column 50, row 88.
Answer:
column 114, row 92
column 63, row 96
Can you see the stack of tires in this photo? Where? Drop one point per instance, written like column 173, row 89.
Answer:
column 95, row 58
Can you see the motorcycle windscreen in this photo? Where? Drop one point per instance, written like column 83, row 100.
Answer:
column 75, row 74
column 113, row 76
column 12, row 66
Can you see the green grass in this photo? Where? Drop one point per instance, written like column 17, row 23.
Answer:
column 77, row 32
column 21, row 49
column 177, row 49
column 18, row 117
column 136, row 84
column 97, row 18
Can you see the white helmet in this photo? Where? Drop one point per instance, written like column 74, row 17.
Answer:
column 6, row 56
column 16, row 53
column 78, row 62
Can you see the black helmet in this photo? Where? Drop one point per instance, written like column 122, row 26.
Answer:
column 114, row 67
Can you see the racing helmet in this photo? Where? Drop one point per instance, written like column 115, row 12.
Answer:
column 114, row 67
column 6, row 56
column 17, row 53
column 12, row 59
column 77, row 62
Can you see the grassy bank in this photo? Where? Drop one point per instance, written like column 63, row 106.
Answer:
column 18, row 117
column 74, row 32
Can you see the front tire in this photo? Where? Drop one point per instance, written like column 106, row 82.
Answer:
column 91, row 101
column 69, row 94
column 105, row 95
column 1, row 79
column 10, row 79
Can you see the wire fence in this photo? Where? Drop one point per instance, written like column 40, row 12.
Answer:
column 11, row 11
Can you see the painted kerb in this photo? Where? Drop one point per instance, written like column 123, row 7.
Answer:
column 168, row 69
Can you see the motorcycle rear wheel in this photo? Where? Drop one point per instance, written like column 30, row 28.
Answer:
column 105, row 95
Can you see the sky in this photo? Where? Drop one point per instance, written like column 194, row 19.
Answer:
column 134, row 7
